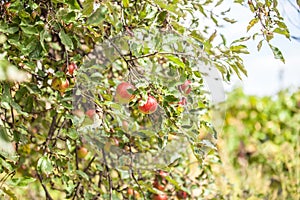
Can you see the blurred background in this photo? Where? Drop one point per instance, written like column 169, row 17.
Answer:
column 259, row 142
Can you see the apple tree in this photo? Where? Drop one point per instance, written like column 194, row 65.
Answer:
column 109, row 99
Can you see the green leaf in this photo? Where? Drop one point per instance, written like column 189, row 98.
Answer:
column 4, row 28
column 88, row 6
column 259, row 45
column 239, row 49
column 29, row 29
column 125, row 3
column 44, row 165
column 66, row 40
column 252, row 23
column 169, row 7
column 176, row 60
column 21, row 181
column 82, row 174
column 162, row 16
column 284, row 32
column 9, row 192
column 97, row 17
column 232, row 21
column 277, row 53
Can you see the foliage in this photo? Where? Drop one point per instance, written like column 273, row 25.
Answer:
column 260, row 146
column 40, row 126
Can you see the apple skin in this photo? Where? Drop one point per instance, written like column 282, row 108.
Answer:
column 158, row 186
column 90, row 113
column 82, row 152
column 122, row 94
column 163, row 174
column 64, row 84
column 132, row 192
column 150, row 106
column 185, row 88
column 181, row 194
column 159, row 197
column 71, row 68
column 183, row 101
column 60, row 84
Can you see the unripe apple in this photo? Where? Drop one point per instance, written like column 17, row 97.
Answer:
column 71, row 68
column 123, row 95
column 82, row 152
column 159, row 197
column 56, row 83
column 90, row 113
column 150, row 106
column 185, row 88
column 181, row 194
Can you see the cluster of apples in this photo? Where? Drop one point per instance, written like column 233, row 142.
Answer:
column 62, row 84
column 124, row 96
column 160, row 183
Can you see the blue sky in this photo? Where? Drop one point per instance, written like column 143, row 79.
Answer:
column 263, row 69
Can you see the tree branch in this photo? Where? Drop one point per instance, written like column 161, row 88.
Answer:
column 48, row 196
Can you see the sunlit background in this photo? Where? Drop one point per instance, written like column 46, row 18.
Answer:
column 266, row 75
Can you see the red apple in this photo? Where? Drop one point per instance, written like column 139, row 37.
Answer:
column 131, row 192
column 82, row 152
column 185, row 88
column 158, row 186
column 159, row 197
column 60, row 84
column 181, row 194
column 150, row 106
column 183, row 101
column 71, row 68
column 162, row 173
column 123, row 95
column 64, row 84
column 90, row 113
column 114, row 141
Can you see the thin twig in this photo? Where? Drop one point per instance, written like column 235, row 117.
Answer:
column 48, row 196
column 108, row 175
column 50, row 132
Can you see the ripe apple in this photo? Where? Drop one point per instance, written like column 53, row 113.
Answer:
column 181, row 194
column 123, row 95
column 159, row 197
column 150, row 106
column 64, row 84
column 82, row 152
column 114, row 141
column 158, row 186
column 185, row 88
column 90, row 113
column 60, row 84
column 71, row 68
column 162, row 173
column 183, row 101
column 131, row 192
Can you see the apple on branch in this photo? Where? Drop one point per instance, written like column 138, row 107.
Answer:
column 72, row 67
column 124, row 92
column 185, row 88
column 149, row 107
